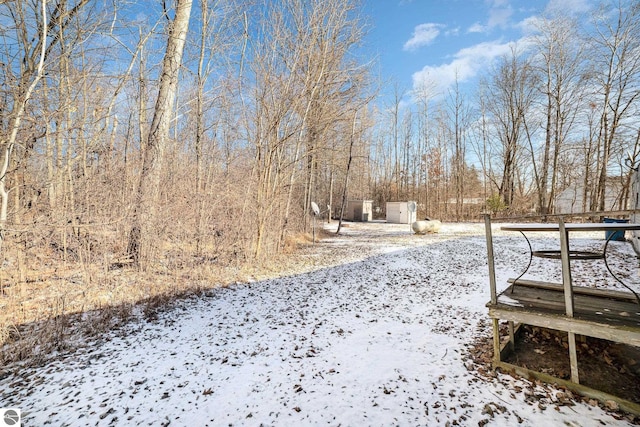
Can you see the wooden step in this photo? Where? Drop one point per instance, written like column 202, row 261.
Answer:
column 579, row 290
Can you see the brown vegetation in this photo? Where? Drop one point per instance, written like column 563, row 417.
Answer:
column 116, row 188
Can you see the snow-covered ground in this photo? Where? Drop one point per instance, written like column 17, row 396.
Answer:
column 378, row 338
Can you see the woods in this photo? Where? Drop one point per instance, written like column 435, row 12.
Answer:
column 188, row 136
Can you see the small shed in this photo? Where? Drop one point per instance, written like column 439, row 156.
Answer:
column 571, row 199
column 359, row 210
column 401, row 212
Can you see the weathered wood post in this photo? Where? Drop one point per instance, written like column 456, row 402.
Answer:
column 568, row 297
column 492, row 285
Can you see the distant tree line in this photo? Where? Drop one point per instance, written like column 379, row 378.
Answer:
column 559, row 111
column 202, row 130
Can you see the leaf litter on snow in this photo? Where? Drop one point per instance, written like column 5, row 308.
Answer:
column 378, row 326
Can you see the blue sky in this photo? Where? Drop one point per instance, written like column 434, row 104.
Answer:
column 432, row 40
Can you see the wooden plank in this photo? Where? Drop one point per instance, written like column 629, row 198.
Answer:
column 566, row 269
column 586, row 309
column 625, row 405
column 556, row 310
column 577, row 290
column 571, row 215
column 496, row 340
column 490, row 259
column 600, row 310
column 551, row 227
column 595, row 308
column 626, row 334
column 538, row 299
column 573, row 358
column 512, row 336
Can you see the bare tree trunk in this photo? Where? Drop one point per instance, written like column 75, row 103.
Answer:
column 396, row 148
column 19, row 108
column 142, row 101
column 145, row 209
column 631, row 159
column 616, row 71
column 200, row 125
column 346, row 175
column 459, row 118
column 49, row 155
column 512, row 87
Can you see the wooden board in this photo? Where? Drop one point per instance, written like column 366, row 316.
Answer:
column 592, row 306
column 580, row 290
column 625, row 405
column 596, row 316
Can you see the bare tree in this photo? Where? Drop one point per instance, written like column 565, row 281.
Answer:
column 424, row 95
column 459, row 115
column 480, row 143
column 395, row 116
column 512, row 90
column 215, row 41
column 33, row 47
column 352, row 141
column 559, row 60
column 616, row 66
column 145, row 205
column 304, row 83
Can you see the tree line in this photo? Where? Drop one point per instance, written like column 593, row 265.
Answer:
column 550, row 128
column 202, row 130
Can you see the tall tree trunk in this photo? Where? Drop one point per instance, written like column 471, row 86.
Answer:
column 145, row 209
column 18, row 113
column 346, row 174
column 201, row 78
column 142, row 101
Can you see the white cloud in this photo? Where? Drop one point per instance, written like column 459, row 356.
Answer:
column 452, row 32
column 423, row 35
column 477, row 28
column 467, row 63
column 500, row 13
column 555, row 9
column 499, row 16
column 571, row 7
column 530, row 25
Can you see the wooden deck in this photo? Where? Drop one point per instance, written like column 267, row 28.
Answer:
column 599, row 313
column 606, row 314
column 578, row 311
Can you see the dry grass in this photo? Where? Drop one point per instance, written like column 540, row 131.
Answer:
column 55, row 303
column 294, row 242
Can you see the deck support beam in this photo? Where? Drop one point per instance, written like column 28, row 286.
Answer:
column 496, row 339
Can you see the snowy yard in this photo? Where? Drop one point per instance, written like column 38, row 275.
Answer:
column 379, row 338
